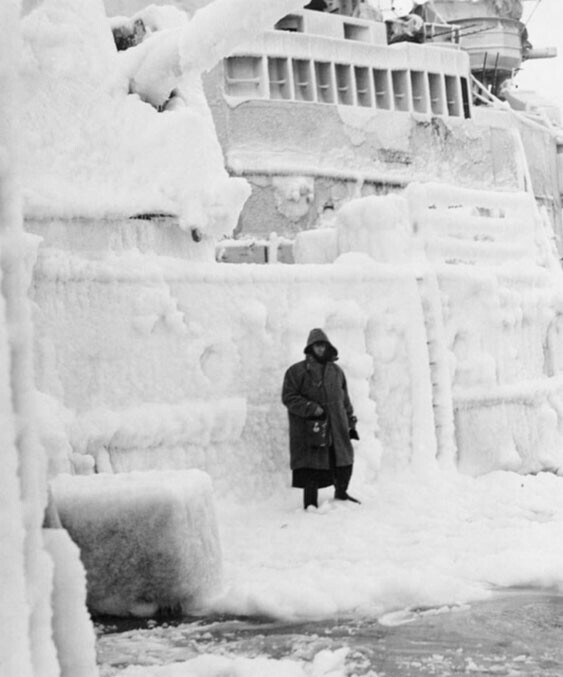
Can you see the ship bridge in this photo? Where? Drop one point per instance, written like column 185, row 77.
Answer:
column 322, row 109
column 324, row 58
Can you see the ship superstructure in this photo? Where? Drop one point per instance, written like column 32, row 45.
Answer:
column 328, row 106
column 440, row 283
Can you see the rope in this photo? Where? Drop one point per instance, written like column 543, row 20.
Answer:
column 538, row 3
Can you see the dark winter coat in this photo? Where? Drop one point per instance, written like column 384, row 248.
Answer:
column 308, row 384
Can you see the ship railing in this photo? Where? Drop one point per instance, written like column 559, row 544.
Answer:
column 540, row 118
column 484, row 95
column 262, row 250
column 487, row 98
column 438, row 33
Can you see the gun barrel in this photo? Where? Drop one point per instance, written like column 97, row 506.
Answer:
column 541, row 53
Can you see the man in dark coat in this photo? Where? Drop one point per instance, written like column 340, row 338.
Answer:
column 321, row 421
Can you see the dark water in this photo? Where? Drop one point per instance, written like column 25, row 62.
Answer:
column 517, row 633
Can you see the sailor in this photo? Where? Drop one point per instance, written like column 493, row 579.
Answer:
column 130, row 34
column 335, row 7
column 406, row 29
column 317, row 5
column 365, row 10
column 321, row 422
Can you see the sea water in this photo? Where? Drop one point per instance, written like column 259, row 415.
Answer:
column 516, row 632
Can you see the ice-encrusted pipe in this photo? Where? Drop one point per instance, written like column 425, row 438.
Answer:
column 26, row 646
column 442, row 399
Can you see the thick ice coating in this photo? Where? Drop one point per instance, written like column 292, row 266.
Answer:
column 446, row 306
column 148, row 541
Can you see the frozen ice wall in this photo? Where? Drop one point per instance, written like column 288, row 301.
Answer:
column 15, row 614
column 448, row 332
column 27, row 615
column 25, row 570
column 500, row 305
column 181, row 366
column 491, row 286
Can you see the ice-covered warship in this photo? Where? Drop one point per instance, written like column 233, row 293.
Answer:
column 415, row 199
column 329, row 106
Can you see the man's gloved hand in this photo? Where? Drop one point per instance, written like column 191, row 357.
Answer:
column 354, row 434
column 319, row 411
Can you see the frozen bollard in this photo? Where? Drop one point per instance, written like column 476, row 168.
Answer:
column 148, row 540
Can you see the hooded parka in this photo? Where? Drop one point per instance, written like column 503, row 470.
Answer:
column 306, row 385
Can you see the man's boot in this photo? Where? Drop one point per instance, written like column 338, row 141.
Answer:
column 342, row 495
column 310, row 496
column 342, row 478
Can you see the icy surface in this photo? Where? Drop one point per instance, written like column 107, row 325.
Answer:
column 148, row 540
column 418, row 539
column 435, row 542
column 230, row 354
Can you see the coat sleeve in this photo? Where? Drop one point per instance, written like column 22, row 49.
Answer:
column 347, row 404
column 296, row 403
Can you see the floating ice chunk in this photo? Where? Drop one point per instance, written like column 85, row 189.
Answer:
column 330, row 662
column 148, row 541
column 325, row 664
